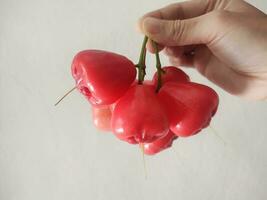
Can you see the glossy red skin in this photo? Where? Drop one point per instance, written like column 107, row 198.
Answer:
column 102, row 117
column 101, row 76
column 171, row 73
column 190, row 106
column 138, row 117
column 160, row 144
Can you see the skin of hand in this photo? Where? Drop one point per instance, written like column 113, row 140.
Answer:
column 225, row 40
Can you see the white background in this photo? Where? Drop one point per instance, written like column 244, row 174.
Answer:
column 55, row 153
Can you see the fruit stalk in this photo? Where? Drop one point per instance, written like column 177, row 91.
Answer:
column 142, row 62
column 158, row 65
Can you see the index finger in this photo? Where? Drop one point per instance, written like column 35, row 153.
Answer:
column 182, row 10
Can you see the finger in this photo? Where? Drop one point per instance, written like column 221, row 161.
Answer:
column 181, row 55
column 182, row 10
column 182, row 60
column 174, row 51
column 199, row 30
column 202, row 58
column 188, row 49
column 151, row 48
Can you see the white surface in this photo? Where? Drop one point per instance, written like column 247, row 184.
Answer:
column 57, row 154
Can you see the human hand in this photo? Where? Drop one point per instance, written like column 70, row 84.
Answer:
column 225, row 40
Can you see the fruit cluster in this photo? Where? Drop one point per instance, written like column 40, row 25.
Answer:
column 152, row 113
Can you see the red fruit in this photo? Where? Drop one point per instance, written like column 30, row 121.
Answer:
column 171, row 74
column 160, row 144
column 102, row 118
column 138, row 117
column 101, row 76
column 189, row 106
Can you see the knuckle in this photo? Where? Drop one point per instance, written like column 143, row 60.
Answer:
column 216, row 4
column 220, row 19
column 219, row 15
column 177, row 30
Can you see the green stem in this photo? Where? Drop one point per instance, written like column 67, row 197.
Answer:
column 142, row 62
column 158, row 65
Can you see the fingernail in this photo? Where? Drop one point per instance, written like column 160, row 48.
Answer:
column 139, row 26
column 151, row 25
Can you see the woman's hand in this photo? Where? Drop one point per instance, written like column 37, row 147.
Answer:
column 225, row 40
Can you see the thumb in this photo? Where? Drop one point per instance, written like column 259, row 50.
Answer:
column 199, row 30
